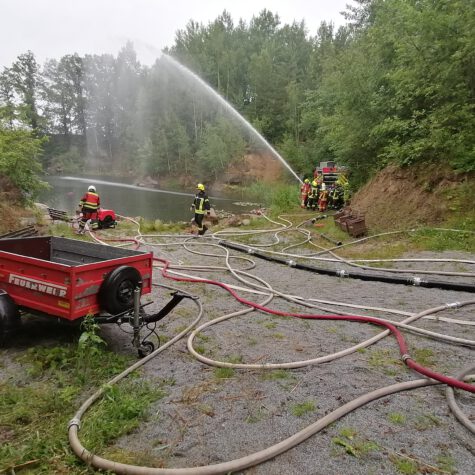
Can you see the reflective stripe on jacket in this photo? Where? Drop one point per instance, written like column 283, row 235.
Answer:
column 201, row 203
column 90, row 201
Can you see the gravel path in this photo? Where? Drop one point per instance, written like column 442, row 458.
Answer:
column 206, row 418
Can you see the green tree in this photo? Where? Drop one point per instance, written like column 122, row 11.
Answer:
column 19, row 161
column 26, row 80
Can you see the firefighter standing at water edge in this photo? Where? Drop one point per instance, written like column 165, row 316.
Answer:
column 200, row 206
column 89, row 205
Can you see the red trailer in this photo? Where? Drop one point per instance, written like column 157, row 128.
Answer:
column 70, row 279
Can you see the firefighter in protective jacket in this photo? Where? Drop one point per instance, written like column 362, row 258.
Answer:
column 89, row 205
column 201, row 206
column 323, row 198
column 313, row 195
column 304, row 192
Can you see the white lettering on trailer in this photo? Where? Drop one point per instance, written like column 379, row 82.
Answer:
column 38, row 285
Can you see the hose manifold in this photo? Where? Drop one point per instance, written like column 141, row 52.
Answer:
column 342, row 273
column 74, row 422
column 406, row 357
column 453, row 305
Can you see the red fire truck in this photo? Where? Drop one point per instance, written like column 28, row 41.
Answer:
column 330, row 172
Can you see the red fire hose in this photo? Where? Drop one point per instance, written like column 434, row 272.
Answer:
column 376, row 321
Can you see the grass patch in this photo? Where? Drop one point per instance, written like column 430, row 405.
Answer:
column 280, row 197
column 424, row 356
column 396, row 418
column 34, row 415
column 276, row 374
column 158, row 226
column 446, row 462
column 404, row 465
column 257, row 415
column 121, row 410
column 303, row 408
column 426, row 421
column 223, row 373
column 352, row 444
column 384, row 360
column 438, row 240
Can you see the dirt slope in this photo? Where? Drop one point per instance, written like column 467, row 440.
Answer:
column 429, row 195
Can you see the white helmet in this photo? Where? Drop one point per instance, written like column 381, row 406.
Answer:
column 92, row 188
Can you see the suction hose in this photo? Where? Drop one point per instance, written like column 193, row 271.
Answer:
column 415, row 281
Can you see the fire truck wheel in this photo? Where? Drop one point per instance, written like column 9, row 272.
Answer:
column 146, row 348
column 9, row 315
column 117, row 291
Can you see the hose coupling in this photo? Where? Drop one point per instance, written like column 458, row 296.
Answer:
column 406, row 357
column 453, row 305
column 250, row 251
column 74, row 422
column 416, row 281
column 291, row 263
column 342, row 273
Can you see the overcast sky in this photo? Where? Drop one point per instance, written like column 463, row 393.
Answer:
column 52, row 28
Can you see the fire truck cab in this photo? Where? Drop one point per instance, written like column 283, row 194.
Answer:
column 329, row 171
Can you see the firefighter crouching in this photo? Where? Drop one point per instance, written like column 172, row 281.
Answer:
column 89, row 205
column 304, row 192
column 201, row 206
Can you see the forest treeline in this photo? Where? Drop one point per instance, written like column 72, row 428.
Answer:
column 396, row 84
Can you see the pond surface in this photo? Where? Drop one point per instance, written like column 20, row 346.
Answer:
column 127, row 199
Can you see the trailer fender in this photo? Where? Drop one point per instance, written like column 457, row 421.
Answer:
column 117, row 291
column 9, row 315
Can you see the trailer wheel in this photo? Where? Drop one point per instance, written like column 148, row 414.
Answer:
column 9, row 315
column 146, row 348
column 117, row 291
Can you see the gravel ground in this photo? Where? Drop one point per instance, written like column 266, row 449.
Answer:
column 205, row 419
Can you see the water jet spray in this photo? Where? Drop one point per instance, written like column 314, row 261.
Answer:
column 231, row 110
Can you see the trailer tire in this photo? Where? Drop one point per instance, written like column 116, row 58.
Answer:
column 116, row 294
column 9, row 316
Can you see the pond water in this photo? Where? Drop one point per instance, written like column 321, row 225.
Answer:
column 127, row 199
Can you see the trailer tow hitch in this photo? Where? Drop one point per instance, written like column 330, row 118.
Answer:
column 138, row 319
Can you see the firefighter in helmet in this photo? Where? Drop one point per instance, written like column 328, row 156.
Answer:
column 323, row 198
column 200, row 206
column 313, row 195
column 304, row 192
column 89, row 205
column 345, row 185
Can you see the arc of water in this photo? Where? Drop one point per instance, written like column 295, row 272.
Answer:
column 231, row 110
